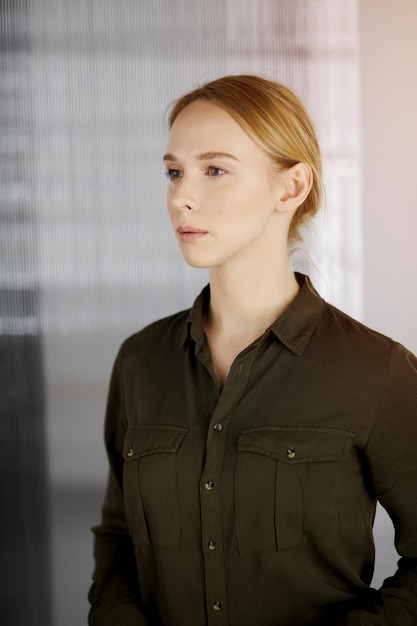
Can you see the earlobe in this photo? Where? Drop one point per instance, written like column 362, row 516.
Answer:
column 296, row 185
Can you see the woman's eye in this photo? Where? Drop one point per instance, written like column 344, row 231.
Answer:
column 215, row 171
column 173, row 174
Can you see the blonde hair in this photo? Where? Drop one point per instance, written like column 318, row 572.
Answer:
column 275, row 118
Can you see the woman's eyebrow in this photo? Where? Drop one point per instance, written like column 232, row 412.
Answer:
column 205, row 156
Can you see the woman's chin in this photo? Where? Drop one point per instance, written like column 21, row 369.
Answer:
column 197, row 264
column 197, row 260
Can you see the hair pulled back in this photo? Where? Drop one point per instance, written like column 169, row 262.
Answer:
column 275, row 118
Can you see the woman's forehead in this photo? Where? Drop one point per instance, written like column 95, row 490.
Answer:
column 204, row 127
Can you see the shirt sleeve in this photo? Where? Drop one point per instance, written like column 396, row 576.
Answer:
column 391, row 453
column 114, row 595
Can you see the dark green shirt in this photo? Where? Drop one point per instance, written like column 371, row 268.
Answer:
column 254, row 507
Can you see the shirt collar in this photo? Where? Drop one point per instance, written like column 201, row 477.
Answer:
column 296, row 324
column 293, row 328
column 194, row 328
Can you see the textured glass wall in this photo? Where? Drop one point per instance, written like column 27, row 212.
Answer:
column 87, row 255
column 24, row 513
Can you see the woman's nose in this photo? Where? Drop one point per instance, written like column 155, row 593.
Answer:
column 183, row 195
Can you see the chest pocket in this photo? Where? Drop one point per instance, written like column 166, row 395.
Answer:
column 150, row 484
column 286, row 479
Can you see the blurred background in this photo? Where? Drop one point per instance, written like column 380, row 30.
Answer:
column 87, row 256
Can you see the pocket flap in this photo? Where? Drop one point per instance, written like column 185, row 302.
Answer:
column 300, row 444
column 143, row 440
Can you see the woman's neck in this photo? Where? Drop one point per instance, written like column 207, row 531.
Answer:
column 246, row 301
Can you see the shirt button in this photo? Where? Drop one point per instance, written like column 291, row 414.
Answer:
column 218, row 427
column 290, row 453
column 211, row 545
column 131, row 452
column 209, row 485
column 216, row 606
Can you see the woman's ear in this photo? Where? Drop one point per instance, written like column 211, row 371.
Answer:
column 296, row 184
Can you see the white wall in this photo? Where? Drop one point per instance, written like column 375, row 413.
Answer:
column 388, row 39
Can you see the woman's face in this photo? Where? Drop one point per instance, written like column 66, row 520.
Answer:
column 223, row 190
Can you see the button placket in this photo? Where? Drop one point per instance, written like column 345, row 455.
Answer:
column 211, row 514
column 214, row 559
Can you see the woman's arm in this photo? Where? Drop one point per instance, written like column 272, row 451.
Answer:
column 391, row 453
column 114, row 595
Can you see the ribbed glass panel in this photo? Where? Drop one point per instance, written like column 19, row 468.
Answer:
column 24, row 516
column 87, row 255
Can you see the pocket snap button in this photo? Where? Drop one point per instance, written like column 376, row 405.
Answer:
column 131, row 452
column 290, row 453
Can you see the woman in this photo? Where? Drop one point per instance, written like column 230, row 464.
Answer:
column 250, row 438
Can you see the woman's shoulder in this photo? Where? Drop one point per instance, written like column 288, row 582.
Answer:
column 361, row 339
column 167, row 331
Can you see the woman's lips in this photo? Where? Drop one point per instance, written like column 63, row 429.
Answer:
column 189, row 233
